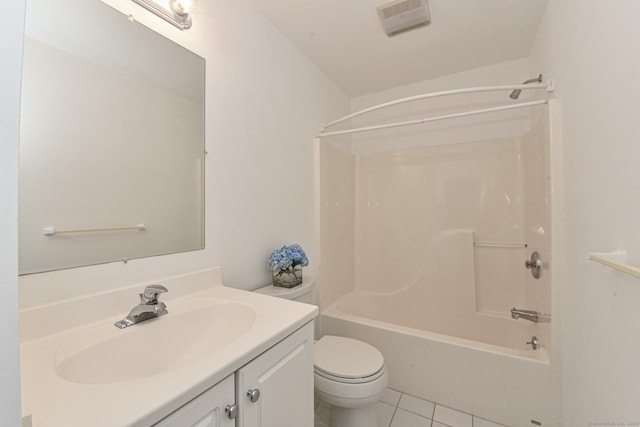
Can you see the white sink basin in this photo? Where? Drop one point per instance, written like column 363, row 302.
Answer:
column 189, row 332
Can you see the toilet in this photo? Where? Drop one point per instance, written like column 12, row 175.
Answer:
column 349, row 375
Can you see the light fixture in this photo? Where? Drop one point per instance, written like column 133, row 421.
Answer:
column 176, row 12
column 183, row 7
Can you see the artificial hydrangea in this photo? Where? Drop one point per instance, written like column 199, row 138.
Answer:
column 287, row 257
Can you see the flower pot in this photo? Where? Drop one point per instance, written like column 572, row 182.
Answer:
column 288, row 278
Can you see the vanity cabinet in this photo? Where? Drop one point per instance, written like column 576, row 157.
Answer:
column 273, row 390
column 276, row 388
column 206, row 410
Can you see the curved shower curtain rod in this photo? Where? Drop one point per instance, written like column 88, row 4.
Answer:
column 548, row 86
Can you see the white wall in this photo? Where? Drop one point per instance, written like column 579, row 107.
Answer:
column 11, row 30
column 591, row 49
column 265, row 101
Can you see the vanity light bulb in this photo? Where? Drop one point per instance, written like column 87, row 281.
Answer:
column 183, row 7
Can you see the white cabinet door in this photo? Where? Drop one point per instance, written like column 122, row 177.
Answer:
column 206, row 410
column 283, row 378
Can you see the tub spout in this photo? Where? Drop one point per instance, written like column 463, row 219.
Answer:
column 531, row 315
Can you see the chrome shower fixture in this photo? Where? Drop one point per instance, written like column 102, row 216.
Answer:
column 516, row 93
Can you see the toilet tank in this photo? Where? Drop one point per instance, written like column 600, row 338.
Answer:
column 300, row 293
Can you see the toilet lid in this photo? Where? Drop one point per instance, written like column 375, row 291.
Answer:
column 346, row 358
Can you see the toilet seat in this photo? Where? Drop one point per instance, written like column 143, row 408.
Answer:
column 347, row 361
column 349, row 380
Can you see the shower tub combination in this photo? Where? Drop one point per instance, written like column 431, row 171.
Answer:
column 507, row 384
column 450, row 354
column 444, row 328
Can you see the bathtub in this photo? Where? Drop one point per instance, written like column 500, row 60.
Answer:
column 476, row 363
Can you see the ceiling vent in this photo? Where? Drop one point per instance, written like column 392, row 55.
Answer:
column 402, row 15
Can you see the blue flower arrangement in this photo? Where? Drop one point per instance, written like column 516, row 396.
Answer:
column 285, row 264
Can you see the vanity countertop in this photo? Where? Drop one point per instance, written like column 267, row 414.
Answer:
column 53, row 401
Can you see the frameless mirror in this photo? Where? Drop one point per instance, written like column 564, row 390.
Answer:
column 112, row 139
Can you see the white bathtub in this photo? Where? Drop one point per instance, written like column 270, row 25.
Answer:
column 478, row 364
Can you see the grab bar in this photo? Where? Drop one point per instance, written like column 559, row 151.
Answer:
column 619, row 264
column 531, row 315
column 52, row 231
column 499, row 245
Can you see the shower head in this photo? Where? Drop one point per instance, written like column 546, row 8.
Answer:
column 516, row 93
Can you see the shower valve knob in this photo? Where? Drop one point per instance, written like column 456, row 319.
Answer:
column 534, row 264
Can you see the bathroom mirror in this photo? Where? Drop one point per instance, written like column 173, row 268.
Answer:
column 112, row 139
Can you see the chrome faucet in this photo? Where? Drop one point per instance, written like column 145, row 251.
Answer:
column 148, row 308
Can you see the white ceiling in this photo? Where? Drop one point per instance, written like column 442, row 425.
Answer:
column 346, row 40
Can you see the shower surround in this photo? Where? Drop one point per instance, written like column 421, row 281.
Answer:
column 423, row 256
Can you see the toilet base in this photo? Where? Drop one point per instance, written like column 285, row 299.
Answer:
column 354, row 417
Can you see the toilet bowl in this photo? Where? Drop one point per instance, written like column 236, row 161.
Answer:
column 349, row 375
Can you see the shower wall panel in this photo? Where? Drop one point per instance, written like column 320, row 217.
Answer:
column 538, row 219
column 337, row 186
column 405, row 200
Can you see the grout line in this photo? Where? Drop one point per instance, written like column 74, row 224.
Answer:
column 393, row 415
column 457, row 410
column 415, row 413
column 395, row 410
column 433, row 415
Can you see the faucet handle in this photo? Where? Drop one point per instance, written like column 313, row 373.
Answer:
column 151, row 292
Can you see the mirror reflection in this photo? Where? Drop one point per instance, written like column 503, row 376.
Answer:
column 112, row 135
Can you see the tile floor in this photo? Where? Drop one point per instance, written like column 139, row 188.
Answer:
column 398, row 409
